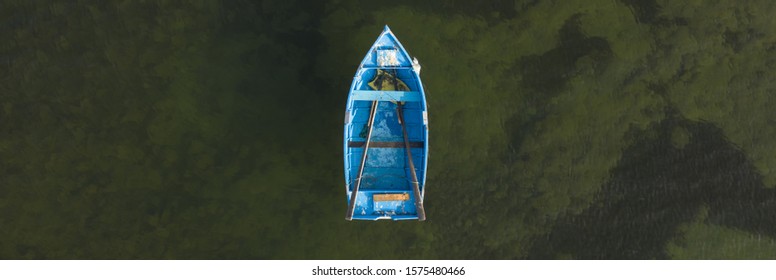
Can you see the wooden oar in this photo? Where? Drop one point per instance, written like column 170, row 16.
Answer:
column 415, row 186
column 352, row 204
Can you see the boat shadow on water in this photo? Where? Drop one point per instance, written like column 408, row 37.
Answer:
column 670, row 173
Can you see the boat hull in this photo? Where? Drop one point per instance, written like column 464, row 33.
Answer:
column 387, row 80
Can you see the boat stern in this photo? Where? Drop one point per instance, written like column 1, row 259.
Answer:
column 384, row 205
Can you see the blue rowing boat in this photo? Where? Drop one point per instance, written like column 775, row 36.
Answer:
column 386, row 136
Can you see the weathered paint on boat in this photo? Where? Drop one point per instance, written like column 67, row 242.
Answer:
column 386, row 189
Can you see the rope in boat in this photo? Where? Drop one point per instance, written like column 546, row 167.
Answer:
column 388, row 60
column 393, row 80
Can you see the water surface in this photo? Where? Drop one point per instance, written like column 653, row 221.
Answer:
column 212, row 130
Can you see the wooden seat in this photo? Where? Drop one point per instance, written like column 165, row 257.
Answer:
column 378, row 144
column 391, row 197
column 379, row 95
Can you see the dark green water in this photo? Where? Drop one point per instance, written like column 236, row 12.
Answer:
column 209, row 130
